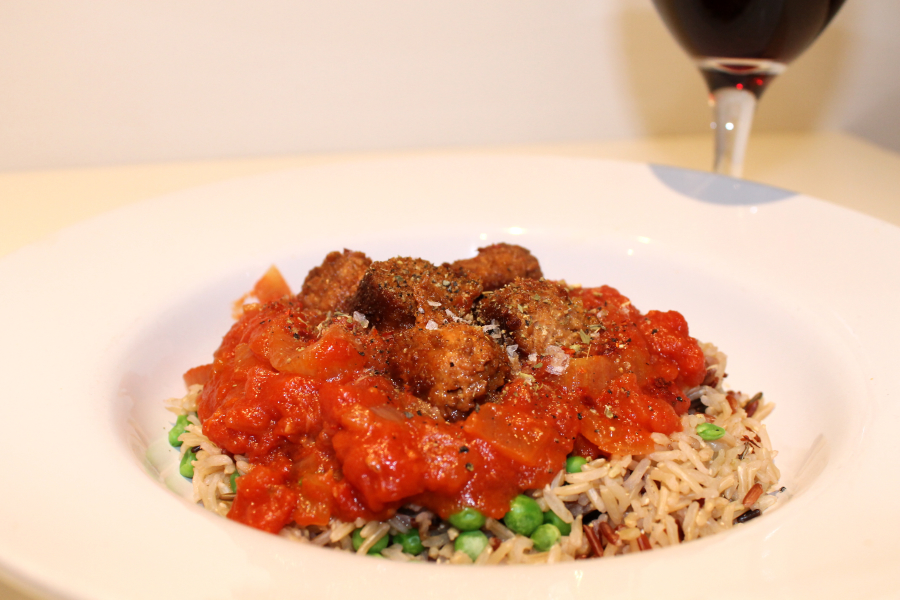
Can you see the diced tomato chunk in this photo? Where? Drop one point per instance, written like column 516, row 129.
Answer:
column 667, row 335
column 263, row 500
column 518, row 436
column 198, row 375
column 271, row 286
column 623, row 437
column 379, row 456
column 315, row 500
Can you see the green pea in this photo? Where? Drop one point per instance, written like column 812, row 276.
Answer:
column 234, row 477
column 186, row 468
column 524, row 515
column 545, row 536
column 551, row 518
column 411, row 542
column 376, row 549
column 574, row 464
column 468, row 519
column 472, row 543
column 709, row 432
column 180, row 424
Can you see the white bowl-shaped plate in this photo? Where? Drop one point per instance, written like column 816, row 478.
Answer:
column 99, row 322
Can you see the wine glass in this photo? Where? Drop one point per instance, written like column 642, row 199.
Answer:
column 739, row 47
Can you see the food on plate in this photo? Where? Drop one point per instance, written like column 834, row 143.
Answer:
column 466, row 412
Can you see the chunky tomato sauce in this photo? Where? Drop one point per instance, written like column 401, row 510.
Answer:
column 311, row 404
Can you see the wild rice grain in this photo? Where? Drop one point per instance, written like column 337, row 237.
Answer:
column 753, row 495
column 750, row 514
column 609, row 534
column 593, row 542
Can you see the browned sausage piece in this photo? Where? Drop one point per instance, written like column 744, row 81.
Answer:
column 452, row 367
column 400, row 292
column 499, row 264
column 535, row 313
column 328, row 287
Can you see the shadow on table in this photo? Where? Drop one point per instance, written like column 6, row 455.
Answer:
column 717, row 189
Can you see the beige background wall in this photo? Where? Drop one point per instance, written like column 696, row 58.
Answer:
column 115, row 81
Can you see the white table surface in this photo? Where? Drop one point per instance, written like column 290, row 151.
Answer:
column 831, row 166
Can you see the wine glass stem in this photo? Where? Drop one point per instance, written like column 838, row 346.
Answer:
column 733, row 110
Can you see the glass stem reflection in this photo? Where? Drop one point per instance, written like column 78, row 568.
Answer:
column 733, row 109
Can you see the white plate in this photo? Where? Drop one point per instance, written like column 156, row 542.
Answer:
column 100, row 321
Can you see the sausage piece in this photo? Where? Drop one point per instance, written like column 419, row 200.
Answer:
column 452, row 367
column 500, row 264
column 535, row 313
column 328, row 287
column 400, row 292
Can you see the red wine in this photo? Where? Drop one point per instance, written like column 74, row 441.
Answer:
column 759, row 36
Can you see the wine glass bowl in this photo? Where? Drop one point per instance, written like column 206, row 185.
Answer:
column 740, row 46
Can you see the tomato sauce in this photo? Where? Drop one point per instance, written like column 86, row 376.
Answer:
column 311, row 406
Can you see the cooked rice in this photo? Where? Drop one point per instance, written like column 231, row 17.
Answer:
column 686, row 489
